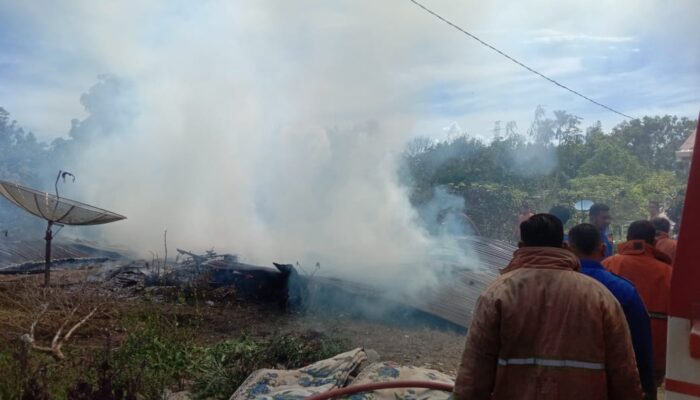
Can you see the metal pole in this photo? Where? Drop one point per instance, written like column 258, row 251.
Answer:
column 47, row 269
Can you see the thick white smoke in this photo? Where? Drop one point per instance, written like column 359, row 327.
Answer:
column 263, row 128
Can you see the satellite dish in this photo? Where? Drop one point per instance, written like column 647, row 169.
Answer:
column 55, row 210
column 583, row 205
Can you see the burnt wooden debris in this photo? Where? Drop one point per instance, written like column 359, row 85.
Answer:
column 448, row 303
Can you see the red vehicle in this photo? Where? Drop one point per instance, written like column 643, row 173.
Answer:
column 683, row 351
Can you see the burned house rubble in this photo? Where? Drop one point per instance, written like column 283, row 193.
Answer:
column 447, row 304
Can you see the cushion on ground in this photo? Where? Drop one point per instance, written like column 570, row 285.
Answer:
column 389, row 371
column 319, row 377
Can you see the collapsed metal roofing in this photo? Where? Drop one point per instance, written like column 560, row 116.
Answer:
column 451, row 299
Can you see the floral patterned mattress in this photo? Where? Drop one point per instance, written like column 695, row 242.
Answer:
column 335, row 372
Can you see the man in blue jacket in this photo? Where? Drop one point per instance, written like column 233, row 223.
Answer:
column 599, row 216
column 586, row 243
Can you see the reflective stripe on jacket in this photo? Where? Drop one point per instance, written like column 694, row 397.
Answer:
column 543, row 330
column 650, row 271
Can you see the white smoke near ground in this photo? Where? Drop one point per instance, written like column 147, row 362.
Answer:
column 268, row 129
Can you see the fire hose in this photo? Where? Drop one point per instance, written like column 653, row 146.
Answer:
column 368, row 387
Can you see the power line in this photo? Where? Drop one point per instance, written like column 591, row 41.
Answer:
column 516, row 61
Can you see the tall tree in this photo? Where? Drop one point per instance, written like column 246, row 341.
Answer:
column 654, row 140
column 563, row 128
column 608, row 157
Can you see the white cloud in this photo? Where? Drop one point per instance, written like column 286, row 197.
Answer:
column 553, row 36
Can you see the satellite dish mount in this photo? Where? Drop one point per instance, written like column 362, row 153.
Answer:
column 49, row 233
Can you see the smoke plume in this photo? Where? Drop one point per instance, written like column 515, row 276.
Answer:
column 253, row 128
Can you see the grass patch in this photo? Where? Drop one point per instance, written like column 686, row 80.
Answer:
column 223, row 367
column 154, row 351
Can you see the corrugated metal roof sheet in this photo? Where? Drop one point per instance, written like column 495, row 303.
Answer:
column 454, row 296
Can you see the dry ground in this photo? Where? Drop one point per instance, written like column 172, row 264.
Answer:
column 227, row 318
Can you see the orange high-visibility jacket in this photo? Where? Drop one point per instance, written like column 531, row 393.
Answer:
column 666, row 245
column 650, row 271
column 545, row 331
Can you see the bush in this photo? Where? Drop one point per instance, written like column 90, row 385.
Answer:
column 159, row 352
column 156, row 355
column 223, row 368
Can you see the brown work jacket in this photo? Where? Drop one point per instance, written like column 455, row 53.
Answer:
column 543, row 330
column 666, row 245
column 650, row 271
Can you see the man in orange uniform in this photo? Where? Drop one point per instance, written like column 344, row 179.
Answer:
column 543, row 330
column 663, row 241
column 650, row 271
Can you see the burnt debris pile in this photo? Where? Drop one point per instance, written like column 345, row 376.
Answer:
column 222, row 279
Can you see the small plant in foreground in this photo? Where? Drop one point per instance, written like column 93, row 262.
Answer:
column 224, row 366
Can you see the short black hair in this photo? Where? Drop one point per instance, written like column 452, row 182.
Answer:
column 597, row 208
column 585, row 238
column 561, row 212
column 542, row 230
column 661, row 224
column 641, row 230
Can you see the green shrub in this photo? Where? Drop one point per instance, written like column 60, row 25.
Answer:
column 155, row 356
column 224, row 366
column 158, row 353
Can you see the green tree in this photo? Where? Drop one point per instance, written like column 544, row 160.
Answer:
column 564, row 128
column 624, row 198
column 23, row 160
column 661, row 186
column 490, row 206
column 654, row 140
column 610, row 158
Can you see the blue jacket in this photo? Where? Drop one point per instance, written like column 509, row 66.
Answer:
column 607, row 242
column 637, row 318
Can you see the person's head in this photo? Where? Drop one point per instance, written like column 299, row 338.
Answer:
column 541, row 230
column 599, row 215
column 654, row 208
column 661, row 224
column 561, row 212
column 641, row 230
column 586, row 243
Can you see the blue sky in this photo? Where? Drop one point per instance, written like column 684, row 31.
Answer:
column 640, row 57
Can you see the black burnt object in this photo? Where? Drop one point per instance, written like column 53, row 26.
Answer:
column 282, row 284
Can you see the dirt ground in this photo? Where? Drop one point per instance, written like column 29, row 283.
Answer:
column 418, row 346
column 217, row 320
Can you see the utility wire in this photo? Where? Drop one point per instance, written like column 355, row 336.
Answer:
column 516, row 61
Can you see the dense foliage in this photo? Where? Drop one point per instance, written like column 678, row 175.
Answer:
column 556, row 162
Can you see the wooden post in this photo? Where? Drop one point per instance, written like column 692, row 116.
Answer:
column 47, row 269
